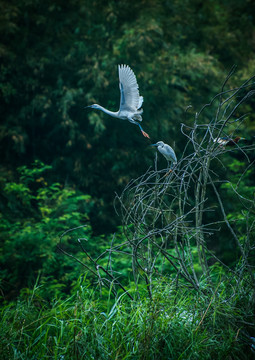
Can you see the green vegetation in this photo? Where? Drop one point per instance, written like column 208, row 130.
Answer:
column 104, row 254
column 175, row 325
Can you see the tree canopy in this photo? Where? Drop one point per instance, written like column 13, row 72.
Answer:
column 57, row 57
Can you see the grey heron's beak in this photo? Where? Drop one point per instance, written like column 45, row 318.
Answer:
column 85, row 107
column 153, row 145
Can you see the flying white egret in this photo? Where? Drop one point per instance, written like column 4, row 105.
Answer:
column 130, row 100
column 166, row 151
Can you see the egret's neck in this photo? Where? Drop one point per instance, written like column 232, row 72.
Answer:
column 111, row 113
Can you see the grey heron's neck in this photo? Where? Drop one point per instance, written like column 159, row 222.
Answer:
column 111, row 113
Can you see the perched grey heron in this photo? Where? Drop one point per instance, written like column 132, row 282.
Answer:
column 130, row 100
column 166, row 151
column 227, row 141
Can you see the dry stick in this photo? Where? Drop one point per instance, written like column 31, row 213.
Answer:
column 69, row 230
column 186, row 277
column 206, row 168
column 186, row 239
column 181, row 262
column 208, row 307
column 197, row 220
column 148, row 285
column 114, row 249
column 247, row 168
column 144, row 197
column 164, row 229
column 203, row 199
column 71, row 256
column 248, row 248
column 231, row 72
column 250, row 93
column 200, row 198
column 245, row 85
column 228, row 268
column 159, row 200
column 109, row 264
column 80, row 262
column 232, row 231
column 222, row 103
column 97, row 266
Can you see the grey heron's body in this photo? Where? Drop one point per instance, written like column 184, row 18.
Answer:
column 166, row 151
column 227, row 141
column 130, row 101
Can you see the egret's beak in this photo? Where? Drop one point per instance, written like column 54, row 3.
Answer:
column 153, row 145
column 87, row 107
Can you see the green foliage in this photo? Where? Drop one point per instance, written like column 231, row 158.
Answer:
column 177, row 324
column 34, row 215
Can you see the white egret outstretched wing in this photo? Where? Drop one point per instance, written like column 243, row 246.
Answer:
column 129, row 93
column 130, row 100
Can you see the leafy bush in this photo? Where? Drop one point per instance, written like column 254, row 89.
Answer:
column 33, row 215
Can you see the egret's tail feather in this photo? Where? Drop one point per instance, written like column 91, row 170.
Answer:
column 138, row 116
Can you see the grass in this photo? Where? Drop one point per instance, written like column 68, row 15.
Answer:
column 177, row 324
